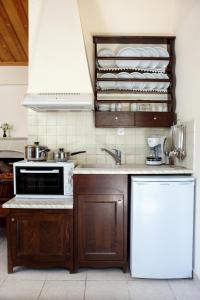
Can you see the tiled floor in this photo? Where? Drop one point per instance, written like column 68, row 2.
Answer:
column 110, row 284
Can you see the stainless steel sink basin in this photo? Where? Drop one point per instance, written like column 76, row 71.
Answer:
column 126, row 166
column 107, row 166
column 100, row 166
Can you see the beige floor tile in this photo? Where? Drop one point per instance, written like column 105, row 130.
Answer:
column 106, row 274
column 128, row 277
column 1, row 281
column 19, row 290
column 3, row 275
column 185, row 289
column 106, row 290
column 63, row 290
column 142, row 289
column 22, row 273
column 196, row 280
column 3, row 246
column 3, row 265
column 59, row 274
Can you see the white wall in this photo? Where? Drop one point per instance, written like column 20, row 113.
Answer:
column 131, row 17
column 188, row 103
column 13, row 86
column 188, row 64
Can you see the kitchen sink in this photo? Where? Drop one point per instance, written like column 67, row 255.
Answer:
column 127, row 166
column 100, row 166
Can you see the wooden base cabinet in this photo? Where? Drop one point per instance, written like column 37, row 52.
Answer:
column 100, row 217
column 40, row 238
column 6, row 193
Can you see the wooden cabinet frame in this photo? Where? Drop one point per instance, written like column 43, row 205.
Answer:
column 138, row 118
column 100, row 221
column 40, row 238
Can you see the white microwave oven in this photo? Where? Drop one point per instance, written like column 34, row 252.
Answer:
column 47, row 179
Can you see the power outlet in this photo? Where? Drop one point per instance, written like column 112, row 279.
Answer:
column 120, row 131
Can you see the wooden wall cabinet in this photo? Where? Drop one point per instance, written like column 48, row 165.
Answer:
column 100, row 217
column 40, row 238
column 146, row 89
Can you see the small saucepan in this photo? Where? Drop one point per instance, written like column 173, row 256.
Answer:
column 61, row 155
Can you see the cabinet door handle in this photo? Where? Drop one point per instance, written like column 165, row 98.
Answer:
column 155, row 118
column 116, row 118
column 120, row 200
column 12, row 220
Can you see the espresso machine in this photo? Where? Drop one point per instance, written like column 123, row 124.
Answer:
column 156, row 155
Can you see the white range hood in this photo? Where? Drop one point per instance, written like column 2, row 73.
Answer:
column 59, row 77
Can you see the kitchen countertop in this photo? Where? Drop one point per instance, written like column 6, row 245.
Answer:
column 131, row 169
column 67, row 203
column 39, row 203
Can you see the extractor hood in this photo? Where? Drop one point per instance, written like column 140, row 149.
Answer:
column 59, row 77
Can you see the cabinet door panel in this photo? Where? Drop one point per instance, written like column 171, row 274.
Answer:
column 100, row 227
column 40, row 236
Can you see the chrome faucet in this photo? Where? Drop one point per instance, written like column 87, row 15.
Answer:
column 116, row 155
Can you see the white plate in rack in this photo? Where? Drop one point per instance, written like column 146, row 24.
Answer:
column 162, row 65
column 124, row 85
column 165, row 84
column 128, row 52
column 162, row 86
column 138, row 85
column 106, row 63
column 108, row 85
column 143, row 64
column 162, row 52
column 150, row 51
column 150, row 85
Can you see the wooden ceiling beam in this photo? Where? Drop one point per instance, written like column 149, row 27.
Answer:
column 21, row 12
column 25, row 6
column 13, row 63
column 5, row 53
column 16, row 22
column 10, row 36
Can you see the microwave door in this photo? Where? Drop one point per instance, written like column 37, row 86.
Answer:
column 39, row 181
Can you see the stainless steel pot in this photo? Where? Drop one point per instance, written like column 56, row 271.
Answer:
column 61, row 155
column 36, row 152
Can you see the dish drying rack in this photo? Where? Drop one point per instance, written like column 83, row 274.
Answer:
column 130, row 118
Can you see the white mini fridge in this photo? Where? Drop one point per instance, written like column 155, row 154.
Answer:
column 161, row 229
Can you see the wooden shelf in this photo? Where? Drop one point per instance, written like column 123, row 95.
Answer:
column 131, row 58
column 134, row 101
column 124, row 39
column 128, row 92
column 134, row 79
column 128, row 70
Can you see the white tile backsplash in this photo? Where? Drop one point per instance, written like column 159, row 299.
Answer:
column 75, row 131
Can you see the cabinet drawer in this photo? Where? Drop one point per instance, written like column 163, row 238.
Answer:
column 114, row 119
column 154, row 119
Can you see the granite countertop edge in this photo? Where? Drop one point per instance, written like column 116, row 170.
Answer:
column 137, row 170
column 38, row 203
